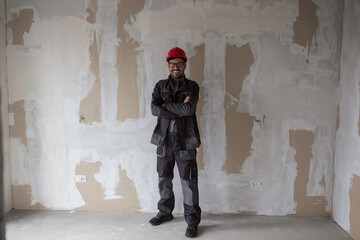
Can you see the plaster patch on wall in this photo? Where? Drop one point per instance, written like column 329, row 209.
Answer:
column 106, row 30
column 47, row 85
column 19, row 165
column 278, row 67
column 347, row 148
column 355, row 207
column 90, row 105
column 18, row 129
column 93, row 193
column 302, row 141
column 221, row 18
column 213, row 118
column 46, row 69
column 306, row 25
column 197, row 74
column 238, row 125
column 321, row 168
column 23, row 199
column 51, row 8
column 128, row 92
column 20, row 22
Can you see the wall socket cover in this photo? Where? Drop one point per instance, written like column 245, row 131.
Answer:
column 255, row 183
column 80, row 178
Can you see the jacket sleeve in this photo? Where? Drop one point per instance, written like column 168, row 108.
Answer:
column 186, row 109
column 156, row 106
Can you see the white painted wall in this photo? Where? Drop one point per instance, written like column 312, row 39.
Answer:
column 347, row 150
column 7, row 193
column 292, row 95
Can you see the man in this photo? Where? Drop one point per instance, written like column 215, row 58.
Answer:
column 177, row 136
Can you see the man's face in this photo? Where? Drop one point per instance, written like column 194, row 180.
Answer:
column 177, row 68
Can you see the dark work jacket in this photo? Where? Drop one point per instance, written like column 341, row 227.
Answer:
column 174, row 108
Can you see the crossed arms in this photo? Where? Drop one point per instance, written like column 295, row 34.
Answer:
column 174, row 110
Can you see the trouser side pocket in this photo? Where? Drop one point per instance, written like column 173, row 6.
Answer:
column 161, row 151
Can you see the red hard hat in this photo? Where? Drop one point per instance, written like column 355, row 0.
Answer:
column 176, row 53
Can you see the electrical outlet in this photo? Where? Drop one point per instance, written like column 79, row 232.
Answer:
column 255, row 183
column 80, row 178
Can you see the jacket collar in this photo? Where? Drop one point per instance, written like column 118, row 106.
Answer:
column 172, row 85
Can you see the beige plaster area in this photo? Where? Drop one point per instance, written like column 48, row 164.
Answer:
column 91, row 12
column 90, row 106
column 18, row 130
column 306, row 25
column 302, row 141
column 196, row 64
column 19, row 24
column 93, row 193
column 22, row 198
column 355, row 207
column 128, row 91
column 238, row 125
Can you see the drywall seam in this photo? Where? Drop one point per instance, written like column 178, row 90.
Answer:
column 213, row 118
column 106, row 29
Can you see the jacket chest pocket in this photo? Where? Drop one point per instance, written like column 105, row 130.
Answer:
column 166, row 97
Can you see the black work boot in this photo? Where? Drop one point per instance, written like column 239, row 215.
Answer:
column 155, row 221
column 191, row 231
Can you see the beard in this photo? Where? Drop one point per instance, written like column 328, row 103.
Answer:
column 177, row 75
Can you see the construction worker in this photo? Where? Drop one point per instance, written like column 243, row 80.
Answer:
column 177, row 136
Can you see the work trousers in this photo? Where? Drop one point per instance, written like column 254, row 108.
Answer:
column 168, row 154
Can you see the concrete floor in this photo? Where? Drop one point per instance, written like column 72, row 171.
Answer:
column 54, row 225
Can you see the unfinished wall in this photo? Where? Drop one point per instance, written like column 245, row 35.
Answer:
column 347, row 150
column 7, row 194
column 81, row 76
